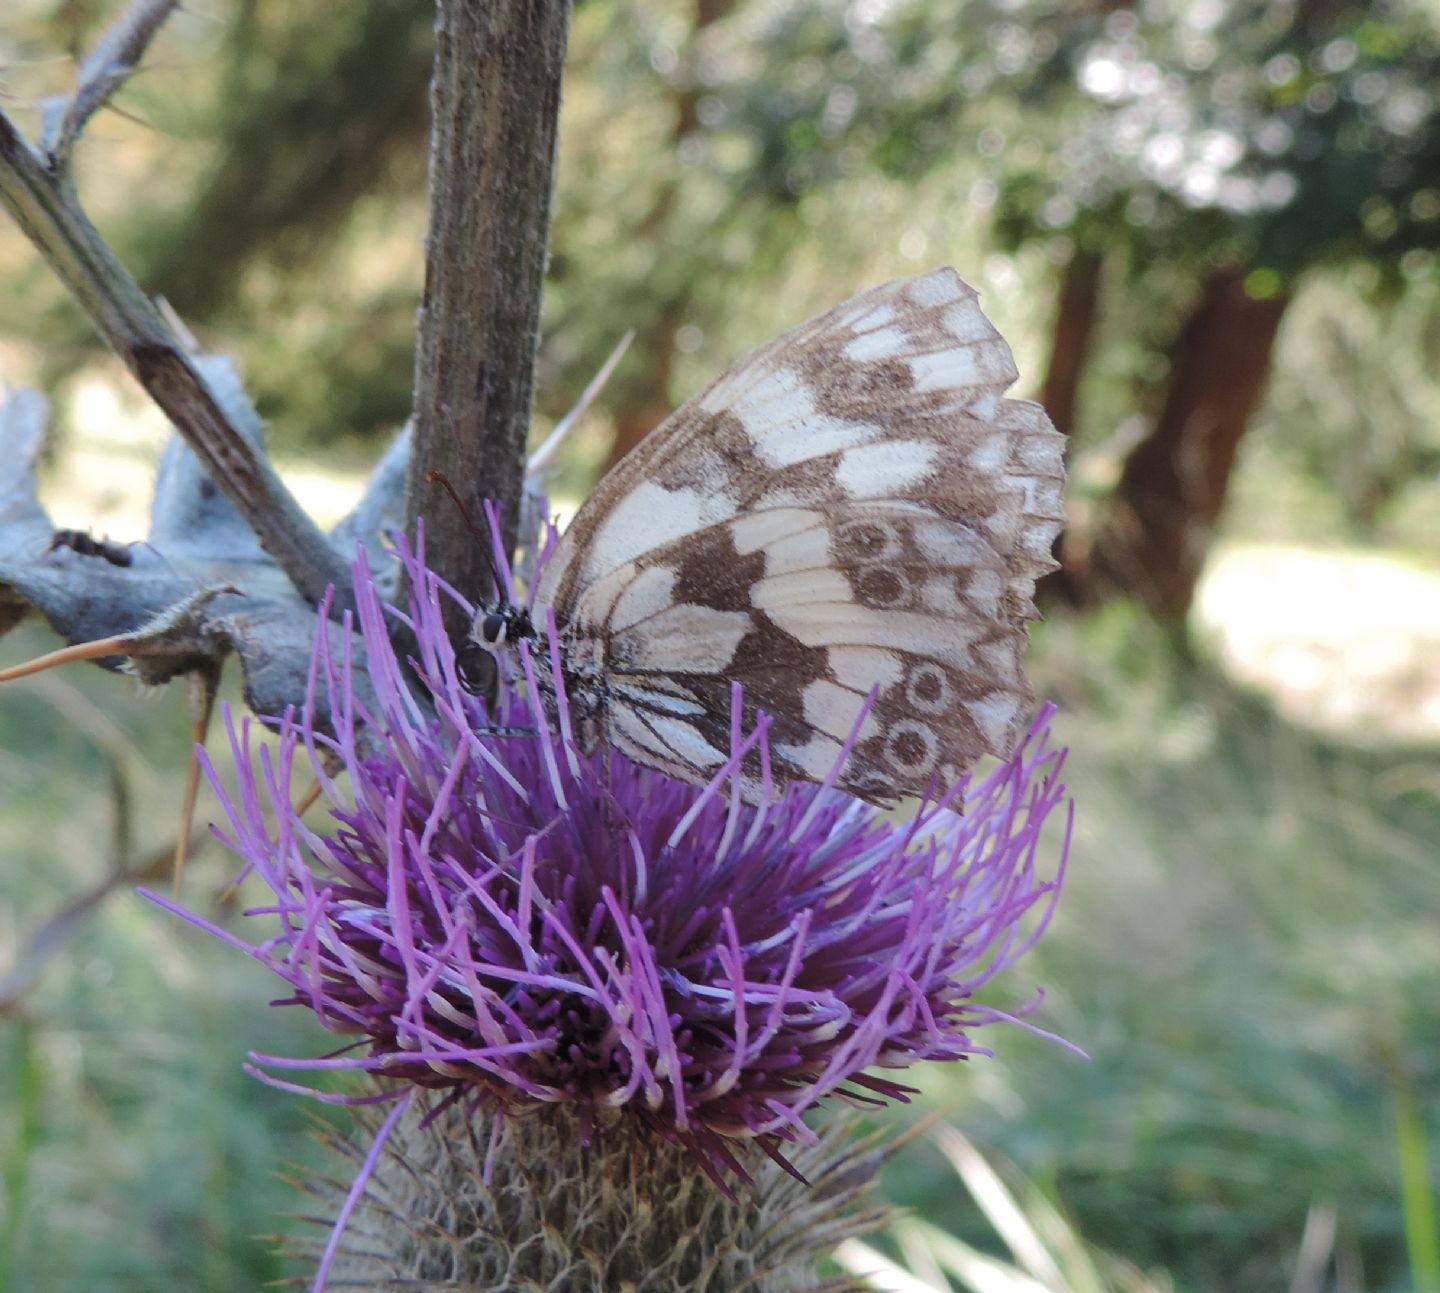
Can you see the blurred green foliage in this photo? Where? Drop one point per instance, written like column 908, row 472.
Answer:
column 135, row 1154
column 1246, row 950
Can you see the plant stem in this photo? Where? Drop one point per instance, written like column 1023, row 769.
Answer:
column 495, row 99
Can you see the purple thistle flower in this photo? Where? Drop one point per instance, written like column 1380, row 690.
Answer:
column 506, row 922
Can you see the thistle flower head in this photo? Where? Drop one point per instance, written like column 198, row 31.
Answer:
column 504, row 920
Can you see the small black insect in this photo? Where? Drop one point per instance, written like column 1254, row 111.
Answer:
column 87, row 545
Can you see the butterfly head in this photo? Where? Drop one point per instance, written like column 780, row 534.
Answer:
column 476, row 659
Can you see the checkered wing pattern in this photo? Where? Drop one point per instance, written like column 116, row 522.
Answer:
column 855, row 507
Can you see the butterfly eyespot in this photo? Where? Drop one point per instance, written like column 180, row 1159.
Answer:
column 881, row 588
column 911, row 747
column 927, row 688
column 477, row 670
column 868, row 541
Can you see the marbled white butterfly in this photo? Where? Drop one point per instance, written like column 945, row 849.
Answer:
column 852, row 508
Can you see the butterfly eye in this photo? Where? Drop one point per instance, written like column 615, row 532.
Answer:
column 477, row 671
column 493, row 626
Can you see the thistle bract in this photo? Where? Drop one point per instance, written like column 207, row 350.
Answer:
column 505, row 921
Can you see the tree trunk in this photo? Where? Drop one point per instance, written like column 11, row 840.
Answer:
column 1075, row 317
column 1154, row 538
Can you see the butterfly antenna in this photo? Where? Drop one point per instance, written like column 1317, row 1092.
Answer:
column 484, row 540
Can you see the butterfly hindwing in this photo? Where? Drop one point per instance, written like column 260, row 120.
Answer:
column 853, row 507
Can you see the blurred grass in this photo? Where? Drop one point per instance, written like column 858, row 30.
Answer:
column 134, row 1152
column 1417, row 1193
column 1248, row 950
column 1042, row 1250
column 21, row 1097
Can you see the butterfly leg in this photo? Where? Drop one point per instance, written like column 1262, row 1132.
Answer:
column 506, row 731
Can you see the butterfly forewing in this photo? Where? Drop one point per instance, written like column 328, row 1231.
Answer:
column 854, row 508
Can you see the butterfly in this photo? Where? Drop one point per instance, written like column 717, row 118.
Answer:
column 853, row 515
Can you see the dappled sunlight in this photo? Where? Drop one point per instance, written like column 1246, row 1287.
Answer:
column 1347, row 642
column 102, row 476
